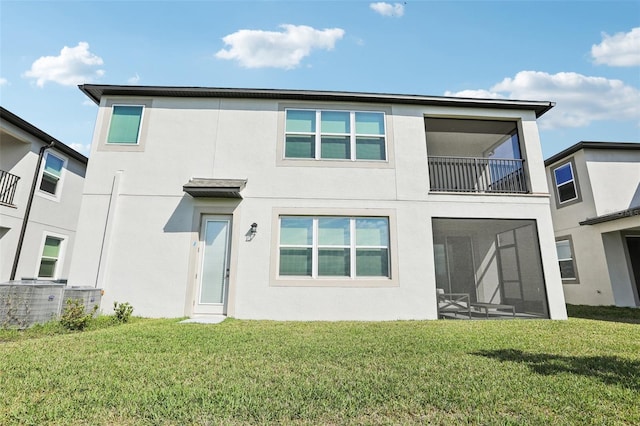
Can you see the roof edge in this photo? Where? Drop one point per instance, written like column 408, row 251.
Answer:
column 96, row 91
column 591, row 145
column 630, row 212
column 46, row 138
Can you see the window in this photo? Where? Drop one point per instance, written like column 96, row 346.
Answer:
column 347, row 247
column 565, row 182
column 50, row 181
column 125, row 124
column 335, row 135
column 566, row 261
column 51, row 254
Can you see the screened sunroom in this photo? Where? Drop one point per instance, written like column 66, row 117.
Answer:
column 488, row 268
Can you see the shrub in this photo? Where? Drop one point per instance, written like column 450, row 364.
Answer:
column 74, row 316
column 122, row 312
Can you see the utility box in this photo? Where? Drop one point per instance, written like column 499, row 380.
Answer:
column 90, row 297
column 27, row 302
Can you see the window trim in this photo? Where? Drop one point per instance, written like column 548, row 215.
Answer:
column 352, row 134
column 59, row 184
column 59, row 260
column 569, row 239
column 139, row 125
column 574, row 181
column 106, row 110
column 276, row 280
column 282, row 161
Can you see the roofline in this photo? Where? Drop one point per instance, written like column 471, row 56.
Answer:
column 591, row 145
column 633, row 211
column 96, row 91
column 46, row 138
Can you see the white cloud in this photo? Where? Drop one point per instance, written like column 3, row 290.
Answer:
column 388, row 9
column 579, row 99
column 83, row 149
column 619, row 50
column 74, row 65
column 3, row 81
column 260, row 49
column 133, row 80
column 480, row 93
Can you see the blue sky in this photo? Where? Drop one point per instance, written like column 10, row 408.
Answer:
column 583, row 55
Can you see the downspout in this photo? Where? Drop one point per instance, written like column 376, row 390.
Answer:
column 27, row 211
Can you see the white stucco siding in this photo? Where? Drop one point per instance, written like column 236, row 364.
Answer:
column 90, row 241
column 532, row 154
column 620, row 274
column 10, row 228
column 150, row 257
column 51, row 215
column 408, row 295
column 614, row 178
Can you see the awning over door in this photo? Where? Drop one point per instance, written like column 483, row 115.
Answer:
column 219, row 188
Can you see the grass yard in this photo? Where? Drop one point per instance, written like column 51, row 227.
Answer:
column 157, row 372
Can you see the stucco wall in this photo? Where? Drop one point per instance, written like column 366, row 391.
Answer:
column 150, row 227
column 609, row 182
column 19, row 151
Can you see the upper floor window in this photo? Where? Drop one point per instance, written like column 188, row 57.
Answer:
column 566, row 183
column 335, row 135
column 125, row 124
column 326, row 247
column 51, row 179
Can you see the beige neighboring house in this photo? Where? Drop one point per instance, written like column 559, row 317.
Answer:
column 316, row 205
column 41, row 182
column 596, row 217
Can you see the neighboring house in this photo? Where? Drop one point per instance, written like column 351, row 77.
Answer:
column 596, row 217
column 41, row 183
column 314, row 205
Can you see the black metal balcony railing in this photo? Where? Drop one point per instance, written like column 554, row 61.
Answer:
column 8, row 184
column 467, row 174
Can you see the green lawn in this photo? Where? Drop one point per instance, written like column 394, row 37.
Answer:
column 581, row 371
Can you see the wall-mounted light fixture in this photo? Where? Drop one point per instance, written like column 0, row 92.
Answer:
column 251, row 233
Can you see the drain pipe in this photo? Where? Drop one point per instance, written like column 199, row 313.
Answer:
column 27, row 211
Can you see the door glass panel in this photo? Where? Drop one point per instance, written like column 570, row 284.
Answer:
column 214, row 267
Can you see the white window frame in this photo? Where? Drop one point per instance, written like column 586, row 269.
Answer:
column 60, row 259
column 315, row 246
column 573, row 181
column 139, row 126
column 574, row 279
column 60, row 183
column 352, row 135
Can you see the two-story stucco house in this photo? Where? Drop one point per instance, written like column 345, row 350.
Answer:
column 596, row 217
column 41, row 183
column 316, row 205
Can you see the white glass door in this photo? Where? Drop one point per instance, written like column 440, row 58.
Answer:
column 213, row 278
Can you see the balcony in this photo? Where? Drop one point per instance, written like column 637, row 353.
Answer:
column 8, row 185
column 475, row 156
column 469, row 174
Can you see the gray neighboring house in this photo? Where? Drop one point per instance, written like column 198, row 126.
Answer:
column 316, row 205
column 596, row 218
column 40, row 195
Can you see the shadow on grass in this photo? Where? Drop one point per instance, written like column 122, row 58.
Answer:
column 605, row 313
column 608, row 369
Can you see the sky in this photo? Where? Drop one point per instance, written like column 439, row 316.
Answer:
column 582, row 55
